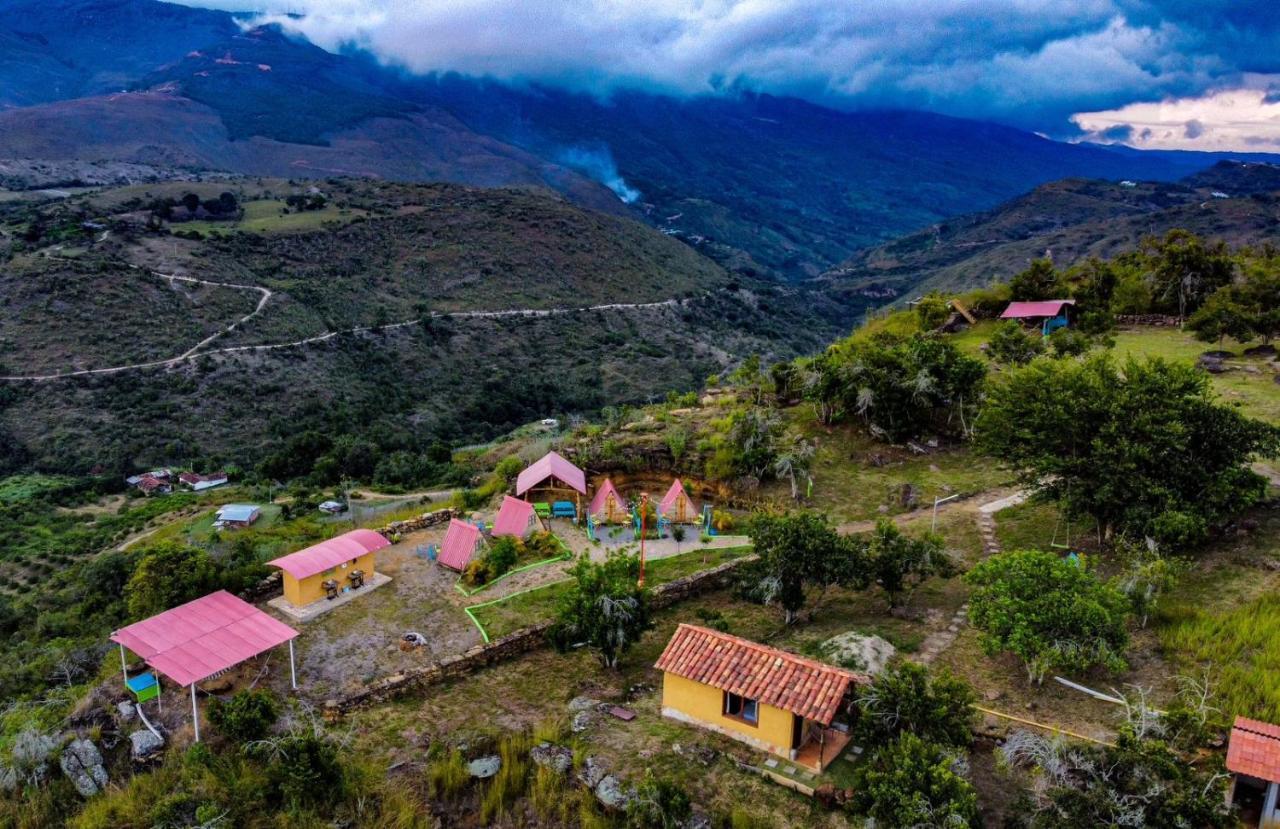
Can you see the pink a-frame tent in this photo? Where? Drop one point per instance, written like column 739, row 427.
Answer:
column 194, row 641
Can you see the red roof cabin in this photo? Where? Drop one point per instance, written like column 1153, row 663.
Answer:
column 516, row 518
column 608, row 506
column 551, row 478
column 193, row 641
column 676, row 506
column 768, row 698
column 1253, row 758
column 1048, row 315
column 461, row 543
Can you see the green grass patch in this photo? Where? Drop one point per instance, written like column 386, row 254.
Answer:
column 16, row 488
column 269, row 216
column 510, row 613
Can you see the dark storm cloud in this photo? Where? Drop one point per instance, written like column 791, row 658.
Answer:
column 1028, row 62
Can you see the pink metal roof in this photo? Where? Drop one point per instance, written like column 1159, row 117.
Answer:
column 1045, row 308
column 513, row 517
column 329, row 554
column 551, row 465
column 673, row 495
column 198, row 639
column 459, row 544
column 598, row 502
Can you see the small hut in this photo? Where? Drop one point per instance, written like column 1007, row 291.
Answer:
column 552, row 478
column 516, row 518
column 608, row 507
column 330, row 568
column 461, row 543
column 677, row 507
column 1048, row 315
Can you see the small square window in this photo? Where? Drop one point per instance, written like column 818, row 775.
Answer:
column 741, row 708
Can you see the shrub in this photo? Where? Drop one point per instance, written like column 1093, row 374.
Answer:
column 247, row 716
column 911, row 782
column 1013, row 345
column 658, row 804
column 906, row 699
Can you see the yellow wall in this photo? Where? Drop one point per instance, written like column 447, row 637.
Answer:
column 301, row 592
column 701, row 704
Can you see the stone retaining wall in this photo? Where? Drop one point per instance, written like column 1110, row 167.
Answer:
column 512, row 645
column 270, row 586
column 1164, row 320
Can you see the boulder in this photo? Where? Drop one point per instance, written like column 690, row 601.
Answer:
column 859, row 652
column 81, row 762
column 557, row 758
column 145, row 743
column 593, row 771
column 126, row 711
column 482, row 768
column 582, row 721
column 610, row 793
column 583, row 703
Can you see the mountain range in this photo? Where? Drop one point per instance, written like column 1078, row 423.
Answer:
column 764, row 185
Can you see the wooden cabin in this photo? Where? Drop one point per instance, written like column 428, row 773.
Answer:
column 608, row 507
column 677, row 507
column 552, row 478
column 778, row 702
column 330, row 568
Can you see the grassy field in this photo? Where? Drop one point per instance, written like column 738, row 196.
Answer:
column 16, row 488
column 273, row 216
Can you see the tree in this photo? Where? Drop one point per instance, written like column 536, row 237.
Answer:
column 911, row 782
column 793, row 463
column 932, row 311
column 1145, row 448
column 603, row 608
column 1137, row 782
column 247, row 716
column 905, row 698
column 1050, row 612
column 1038, row 281
column 1184, row 269
column 1013, row 345
column 678, row 535
column 1147, row 576
column 1094, row 287
column 899, row 563
column 167, row 575
column 1222, row 315
column 799, row 552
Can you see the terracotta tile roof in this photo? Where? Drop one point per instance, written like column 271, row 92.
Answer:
column 1254, row 749
column 812, row 689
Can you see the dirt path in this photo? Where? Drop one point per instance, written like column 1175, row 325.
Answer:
column 965, row 503
column 319, row 338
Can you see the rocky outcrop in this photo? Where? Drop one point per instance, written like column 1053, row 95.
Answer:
column 81, row 762
column 145, row 744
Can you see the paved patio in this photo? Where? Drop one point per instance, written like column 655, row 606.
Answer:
column 321, row 606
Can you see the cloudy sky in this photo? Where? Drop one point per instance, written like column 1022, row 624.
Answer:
column 1154, row 73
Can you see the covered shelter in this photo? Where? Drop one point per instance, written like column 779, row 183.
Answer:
column 516, row 518
column 324, row 570
column 608, row 507
column 677, row 507
column 1253, row 758
column 773, row 700
column 461, row 543
column 237, row 515
column 551, row 477
column 1048, row 315
column 194, row 641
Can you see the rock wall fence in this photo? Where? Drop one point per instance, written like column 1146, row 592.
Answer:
column 1165, row 320
column 513, row 645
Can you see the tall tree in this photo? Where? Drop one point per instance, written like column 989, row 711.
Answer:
column 603, row 608
column 1038, row 281
column 1184, row 269
column 799, row 552
column 899, row 563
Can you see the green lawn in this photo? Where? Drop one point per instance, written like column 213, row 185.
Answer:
column 17, row 488
column 267, row 216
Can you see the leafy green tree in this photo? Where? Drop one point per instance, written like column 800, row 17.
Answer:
column 1222, row 315
column 1093, row 287
column 1147, row 576
column 799, row 552
column 932, row 311
column 603, row 608
column 247, row 716
column 1145, row 448
column 905, row 698
column 169, row 574
column 1184, row 269
column 1050, row 612
column 899, row 563
column 753, row 438
column 1038, row 281
column 911, row 782
column 1013, row 345
column 793, row 463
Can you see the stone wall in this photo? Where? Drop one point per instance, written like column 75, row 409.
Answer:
column 270, row 587
column 513, row 645
column 1164, row 320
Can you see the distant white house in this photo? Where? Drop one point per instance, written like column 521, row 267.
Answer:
column 237, row 515
column 332, row 507
column 1127, row 183
column 550, row 422
column 1218, row 194
column 199, row 483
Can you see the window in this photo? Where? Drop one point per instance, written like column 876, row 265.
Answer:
column 741, row 708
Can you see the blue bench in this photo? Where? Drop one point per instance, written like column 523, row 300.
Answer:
column 564, row 509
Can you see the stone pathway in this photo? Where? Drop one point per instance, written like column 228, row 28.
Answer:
column 938, row 641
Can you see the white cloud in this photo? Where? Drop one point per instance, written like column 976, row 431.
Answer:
column 1240, row 120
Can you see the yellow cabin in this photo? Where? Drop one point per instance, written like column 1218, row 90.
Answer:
column 330, row 568
column 768, row 698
